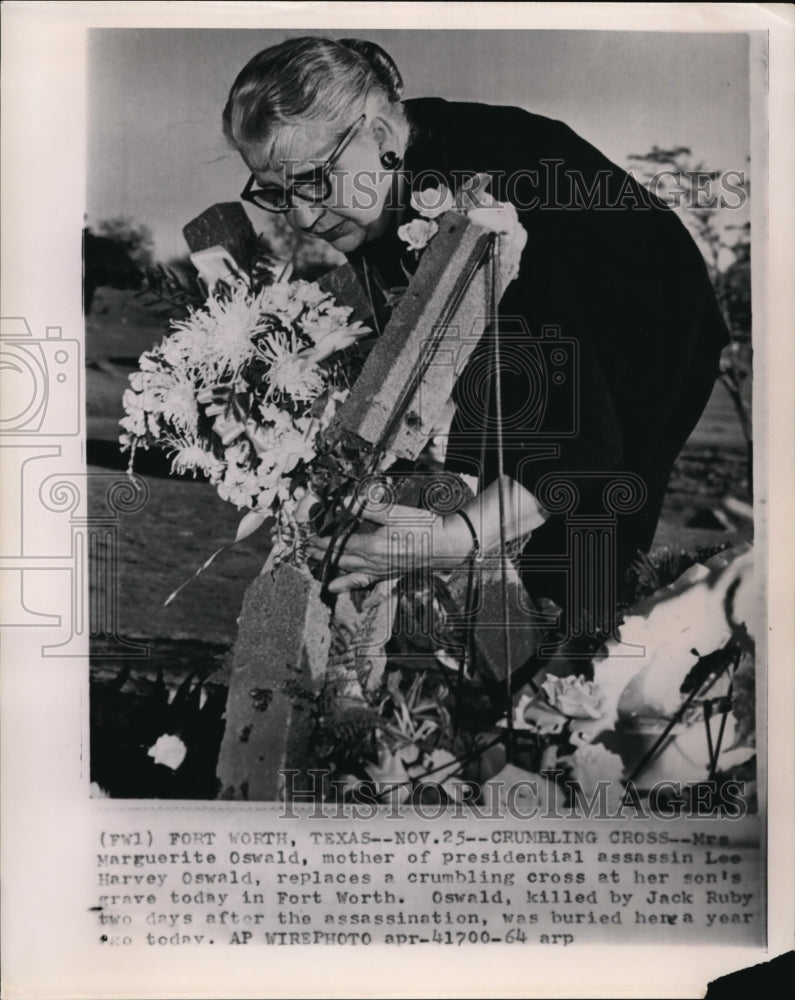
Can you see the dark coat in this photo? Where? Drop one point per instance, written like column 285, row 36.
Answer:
column 610, row 335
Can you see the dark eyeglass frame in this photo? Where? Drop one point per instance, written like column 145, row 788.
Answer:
column 320, row 180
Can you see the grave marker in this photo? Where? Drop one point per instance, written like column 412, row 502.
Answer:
column 284, row 639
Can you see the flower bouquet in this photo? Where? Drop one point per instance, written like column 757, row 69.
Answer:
column 241, row 390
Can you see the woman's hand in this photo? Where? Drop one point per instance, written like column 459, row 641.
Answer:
column 409, row 539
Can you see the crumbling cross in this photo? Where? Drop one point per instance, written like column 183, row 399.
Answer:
column 281, row 654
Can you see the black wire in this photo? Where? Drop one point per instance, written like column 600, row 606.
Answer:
column 494, row 303
column 469, row 639
column 676, row 718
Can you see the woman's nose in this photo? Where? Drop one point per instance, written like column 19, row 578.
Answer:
column 305, row 216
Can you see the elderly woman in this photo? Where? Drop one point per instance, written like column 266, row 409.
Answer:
column 614, row 274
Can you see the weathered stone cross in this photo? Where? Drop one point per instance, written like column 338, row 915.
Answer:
column 284, row 641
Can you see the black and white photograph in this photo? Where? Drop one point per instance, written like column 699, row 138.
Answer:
column 394, row 451
column 394, row 500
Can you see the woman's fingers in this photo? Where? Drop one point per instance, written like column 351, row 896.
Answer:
column 354, row 569
column 351, row 548
column 356, row 564
column 360, row 559
column 351, row 581
column 357, row 553
column 381, row 512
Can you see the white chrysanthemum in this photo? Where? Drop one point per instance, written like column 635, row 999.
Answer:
column 291, row 374
column 219, row 337
column 171, row 395
column 178, row 350
column 191, row 457
column 298, row 378
column 206, row 361
column 180, row 406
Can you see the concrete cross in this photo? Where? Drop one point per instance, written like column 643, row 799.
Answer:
column 285, row 652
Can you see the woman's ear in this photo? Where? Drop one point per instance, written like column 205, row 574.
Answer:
column 386, row 135
column 388, row 130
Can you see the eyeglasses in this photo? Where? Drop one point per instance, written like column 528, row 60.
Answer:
column 312, row 187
